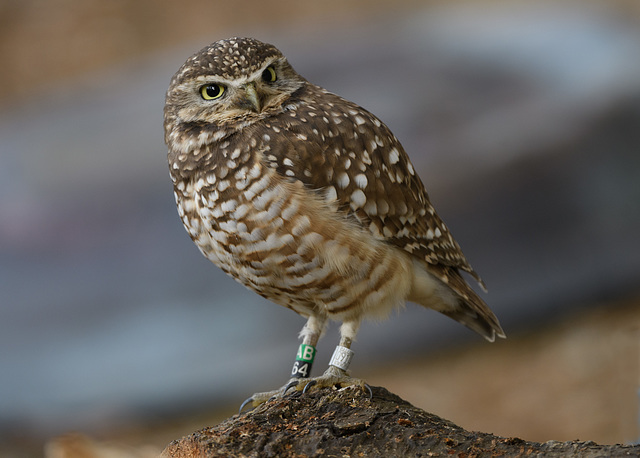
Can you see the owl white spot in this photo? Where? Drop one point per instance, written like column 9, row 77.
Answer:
column 241, row 174
column 200, row 184
column 373, row 145
column 266, row 137
column 216, row 212
column 359, row 120
column 211, row 178
column 254, row 235
column 358, row 199
column 290, row 211
column 242, row 182
column 437, row 232
column 371, row 208
column 290, row 173
column 272, row 242
column 373, row 228
column 347, row 163
column 266, row 198
column 211, row 198
column 231, row 164
column 236, row 153
column 387, row 232
column 194, row 231
column 228, row 226
column 343, row 180
column 410, row 169
column 377, row 122
column 219, row 236
column 222, row 172
column 288, row 162
column 223, row 185
column 430, row 234
column 361, row 180
column 366, row 159
column 229, row 205
column 256, row 187
column 330, row 194
column 188, row 205
column 219, row 134
column 410, row 247
column 394, row 156
column 241, row 211
column 254, row 172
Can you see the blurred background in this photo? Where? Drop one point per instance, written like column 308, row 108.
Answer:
column 522, row 118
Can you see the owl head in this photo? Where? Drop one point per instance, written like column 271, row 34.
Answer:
column 237, row 80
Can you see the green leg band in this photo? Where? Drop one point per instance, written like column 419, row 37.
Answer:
column 304, row 361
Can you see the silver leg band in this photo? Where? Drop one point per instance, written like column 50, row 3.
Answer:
column 341, row 358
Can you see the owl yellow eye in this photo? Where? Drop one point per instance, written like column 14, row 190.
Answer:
column 269, row 74
column 211, row 91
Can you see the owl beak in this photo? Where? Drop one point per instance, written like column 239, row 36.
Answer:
column 252, row 99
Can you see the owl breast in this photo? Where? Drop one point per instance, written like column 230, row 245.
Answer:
column 285, row 241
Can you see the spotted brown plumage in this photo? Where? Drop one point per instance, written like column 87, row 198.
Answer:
column 305, row 197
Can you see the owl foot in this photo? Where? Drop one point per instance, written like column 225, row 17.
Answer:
column 260, row 398
column 333, row 377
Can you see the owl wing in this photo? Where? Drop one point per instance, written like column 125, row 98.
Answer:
column 349, row 156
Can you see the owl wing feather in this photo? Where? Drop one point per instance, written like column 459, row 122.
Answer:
column 345, row 153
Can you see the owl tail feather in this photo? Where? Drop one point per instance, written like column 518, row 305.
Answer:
column 486, row 328
column 475, row 314
column 465, row 306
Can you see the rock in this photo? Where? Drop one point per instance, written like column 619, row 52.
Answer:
column 347, row 423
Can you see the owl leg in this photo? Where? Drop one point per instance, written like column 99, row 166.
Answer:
column 336, row 374
column 311, row 333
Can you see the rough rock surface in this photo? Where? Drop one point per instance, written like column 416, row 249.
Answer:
column 347, row 423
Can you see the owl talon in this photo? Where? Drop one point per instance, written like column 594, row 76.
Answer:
column 369, row 390
column 309, row 385
column 243, row 405
column 288, row 386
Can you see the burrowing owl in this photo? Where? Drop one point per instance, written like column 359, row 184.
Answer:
column 307, row 199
